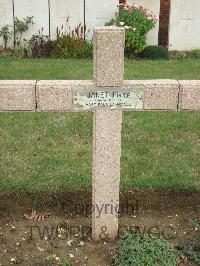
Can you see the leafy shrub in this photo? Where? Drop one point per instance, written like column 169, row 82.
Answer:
column 145, row 250
column 40, row 46
column 22, row 26
column 68, row 47
column 195, row 54
column 6, row 52
column 155, row 52
column 137, row 22
column 5, row 33
column 177, row 55
column 128, row 53
column 72, row 45
column 19, row 50
column 22, row 49
column 191, row 249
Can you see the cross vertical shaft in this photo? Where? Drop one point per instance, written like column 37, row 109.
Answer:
column 107, row 123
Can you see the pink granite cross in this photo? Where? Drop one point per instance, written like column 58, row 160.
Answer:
column 107, row 96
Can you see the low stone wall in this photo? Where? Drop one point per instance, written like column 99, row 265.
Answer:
column 57, row 95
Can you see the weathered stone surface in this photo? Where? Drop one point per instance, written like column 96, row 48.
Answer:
column 6, row 18
column 17, row 95
column 98, row 14
column 108, row 56
column 189, row 95
column 158, row 94
column 106, row 172
column 184, row 25
column 66, row 15
column 56, row 95
column 59, row 95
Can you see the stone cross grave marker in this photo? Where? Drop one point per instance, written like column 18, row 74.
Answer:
column 107, row 96
column 107, row 100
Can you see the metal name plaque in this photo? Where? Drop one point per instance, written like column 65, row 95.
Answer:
column 107, row 98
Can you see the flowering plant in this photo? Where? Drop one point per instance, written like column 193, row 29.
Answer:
column 137, row 22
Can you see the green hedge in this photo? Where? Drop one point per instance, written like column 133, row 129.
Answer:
column 155, row 53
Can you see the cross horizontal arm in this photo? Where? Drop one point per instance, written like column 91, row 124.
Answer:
column 67, row 95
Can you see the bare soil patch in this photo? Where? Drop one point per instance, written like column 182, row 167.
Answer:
column 65, row 235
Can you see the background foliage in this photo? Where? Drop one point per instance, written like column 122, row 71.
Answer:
column 137, row 22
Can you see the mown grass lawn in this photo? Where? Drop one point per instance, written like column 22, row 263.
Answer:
column 54, row 150
column 12, row 68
